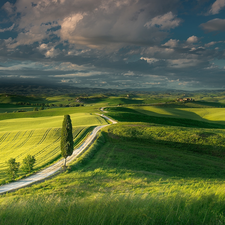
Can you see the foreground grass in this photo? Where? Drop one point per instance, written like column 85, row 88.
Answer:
column 121, row 180
column 116, row 209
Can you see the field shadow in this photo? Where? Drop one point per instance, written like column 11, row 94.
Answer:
column 157, row 158
column 169, row 161
column 130, row 115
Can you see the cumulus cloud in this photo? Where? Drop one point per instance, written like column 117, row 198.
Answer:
column 214, row 25
column 165, row 22
column 171, row 43
column 51, row 53
column 150, row 60
column 217, row 6
column 68, row 27
column 48, row 51
column 129, row 73
column 192, row 39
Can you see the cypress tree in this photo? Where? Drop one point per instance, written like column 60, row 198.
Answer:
column 66, row 138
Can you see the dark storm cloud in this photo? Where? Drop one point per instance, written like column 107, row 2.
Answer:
column 214, row 25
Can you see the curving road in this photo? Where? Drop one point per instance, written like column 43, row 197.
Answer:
column 55, row 167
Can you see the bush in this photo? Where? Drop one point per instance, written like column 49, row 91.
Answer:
column 13, row 168
column 28, row 163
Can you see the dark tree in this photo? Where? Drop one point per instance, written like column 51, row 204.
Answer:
column 66, row 138
column 28, row 163
column 13, row 167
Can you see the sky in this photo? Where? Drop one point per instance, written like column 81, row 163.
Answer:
column 172, row 44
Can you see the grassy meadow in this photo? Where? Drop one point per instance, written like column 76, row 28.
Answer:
column 161, row 164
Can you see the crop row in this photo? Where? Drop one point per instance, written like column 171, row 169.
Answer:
column 44, row 144
column 82, row 135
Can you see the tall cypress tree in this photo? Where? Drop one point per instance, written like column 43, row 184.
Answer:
column 66, row 138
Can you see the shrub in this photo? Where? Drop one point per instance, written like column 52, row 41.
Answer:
column 28, row 163
column 13, row 168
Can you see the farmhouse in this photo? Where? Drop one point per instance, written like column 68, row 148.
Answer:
column 184, row 99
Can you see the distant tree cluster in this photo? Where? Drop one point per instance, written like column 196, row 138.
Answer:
column 21, row 110
column 33, row 104
column 70, row 105
column 50, row 105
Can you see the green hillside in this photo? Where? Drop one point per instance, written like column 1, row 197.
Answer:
column 131, row 176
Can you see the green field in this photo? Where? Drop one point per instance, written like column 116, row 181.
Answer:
column 50, row 112
column 78, row 119
column 39, row 137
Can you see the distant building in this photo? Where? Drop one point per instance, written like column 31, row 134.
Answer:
column 184, row 99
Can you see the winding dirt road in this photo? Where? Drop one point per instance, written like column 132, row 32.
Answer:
column 42, row 175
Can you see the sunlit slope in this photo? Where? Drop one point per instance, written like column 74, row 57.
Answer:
column 201, row 114
column 48, row 112
column 39, row 137
column 78, row 119
column 43, row 143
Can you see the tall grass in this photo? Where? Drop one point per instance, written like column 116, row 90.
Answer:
column 116, row 209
